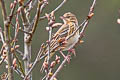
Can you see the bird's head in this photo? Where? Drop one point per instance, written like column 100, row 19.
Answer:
column 69, row 17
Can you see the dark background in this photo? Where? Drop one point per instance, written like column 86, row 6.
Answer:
column 98, row 58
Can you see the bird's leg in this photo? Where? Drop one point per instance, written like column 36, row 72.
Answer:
column 68, row 56
column 72, row 51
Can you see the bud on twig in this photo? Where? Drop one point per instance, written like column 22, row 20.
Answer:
column 45, row 65
column 118, row 21
column 19, row 9
column 11, row 5
column 14, row 63
column 47, row 28
column 15, row 2
column 90, row 15
column 53, row 63
column 57, row 59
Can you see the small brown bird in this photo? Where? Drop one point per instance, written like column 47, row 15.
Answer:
column 60, row 40
column 65, row 31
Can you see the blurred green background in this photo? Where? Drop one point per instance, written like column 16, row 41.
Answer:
column 98, row 58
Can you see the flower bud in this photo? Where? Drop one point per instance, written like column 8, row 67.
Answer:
column 118, row 21
column 90, row 15
column 47, row 28
column 50, row 73
column 19, row 9
column 15, row 2
column 45, row 65
column 11, row 5
column 17, row 46
column 14, row 63
column 53, row 64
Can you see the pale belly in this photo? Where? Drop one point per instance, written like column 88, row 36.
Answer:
column 71, row 42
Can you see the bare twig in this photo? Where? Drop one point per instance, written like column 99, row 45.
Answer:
column 1, row 61
column 11, row 13
column 20, row 29
column 1, row 35
column 41, row 6
column 35, row 62
column 49, row 40
column 2, row 48
column 27, row 3
column 16, row 31
column 19, row 73
column 59, row 68
column 40, row 3
column 20, row 52
column 19, row 63
column 56, row 9
column 31, row 5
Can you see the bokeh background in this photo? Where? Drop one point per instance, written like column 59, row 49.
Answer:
column 98, row 58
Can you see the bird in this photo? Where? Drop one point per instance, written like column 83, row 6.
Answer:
column 70, row 24
column 61, row 40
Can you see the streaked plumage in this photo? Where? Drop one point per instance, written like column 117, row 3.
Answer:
column 58, row 41
column 69, row 26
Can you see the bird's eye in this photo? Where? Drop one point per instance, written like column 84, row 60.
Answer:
column 67, row 16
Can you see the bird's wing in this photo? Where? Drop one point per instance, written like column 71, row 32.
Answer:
column 64, row 31
column 59, row 36
column 54, row 43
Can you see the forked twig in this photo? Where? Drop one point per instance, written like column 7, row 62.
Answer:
column 59, row 68
column 56, row 9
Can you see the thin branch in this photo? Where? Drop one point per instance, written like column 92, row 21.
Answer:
column 31, row 5
column 41, row 5
column 19, row 73
column 27, row 3
column 21, row 53
column 37, row 16
column 16, row 32
column 2, row 48
column 55, row 10
column 59, row 68
column 2, row 3
column 1, row 35
column 50, row 35
column 35, row 62
column 21, row 29
column 40, row 56
column 19, row 63
column 1, row 61
column 10, row 17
